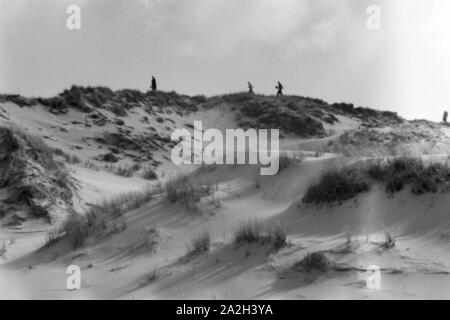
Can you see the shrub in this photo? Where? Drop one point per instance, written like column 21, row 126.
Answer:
column 337, row 185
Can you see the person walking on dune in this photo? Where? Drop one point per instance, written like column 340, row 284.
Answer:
column 250, row 87
column 279, row 87
column 444, row 118
column 153, row 86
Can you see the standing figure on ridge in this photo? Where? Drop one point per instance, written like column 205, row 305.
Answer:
column 444, row 118
column 279, row 87
column 153, row 86
column 250, row 87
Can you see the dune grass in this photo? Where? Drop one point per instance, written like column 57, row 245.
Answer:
column 340, row 184
column 200, row 243
column 315, row 261
column 78, row 228
column 255, row 231
column 186, row 190
column 337, row 185
column 149, row 174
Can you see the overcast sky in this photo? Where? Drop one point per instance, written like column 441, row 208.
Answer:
column 318, row 48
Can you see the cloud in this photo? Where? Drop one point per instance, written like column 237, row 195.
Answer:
column 219, row 27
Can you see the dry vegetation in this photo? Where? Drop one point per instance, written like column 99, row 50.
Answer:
column 34, row 180
column 103, row 218
column 85, row 99
column 337, row 185
column 186, row 190
column 255, row 231
column 409, row 139
column 200, row 243
column 314, row 262
column 340, row 184
column 100, row 218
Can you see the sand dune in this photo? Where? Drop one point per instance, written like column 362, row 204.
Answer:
column 143, row 253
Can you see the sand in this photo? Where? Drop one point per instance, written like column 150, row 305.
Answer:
column 351, row 234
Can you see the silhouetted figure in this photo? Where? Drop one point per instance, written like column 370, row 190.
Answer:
column 250, row 87
column 444, row 118
column 279, row 87
column 153, row 86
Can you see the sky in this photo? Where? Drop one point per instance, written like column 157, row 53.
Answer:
column 316, row 48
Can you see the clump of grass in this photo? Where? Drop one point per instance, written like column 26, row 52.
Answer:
column 124, row 171
column 186, row 190
column 121, row 204
column 136, row 167
column 200, row 243
column 147, row 240
column 153, row 276
column 149, row 174
column 51, row 238
column 337, row 185
column 75, row 230
column 248, row 232
column 90, row 165
column 36, row 148
column 70, row 159
column 316, row 261
column 389, row 240
column 254, row 231
column 35, row 143
column 277, row 236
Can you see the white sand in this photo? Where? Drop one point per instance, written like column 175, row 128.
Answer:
column 416, row 268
